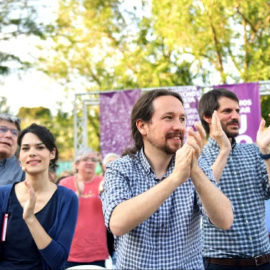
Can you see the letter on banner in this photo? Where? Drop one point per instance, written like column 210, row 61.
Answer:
column 250, row 109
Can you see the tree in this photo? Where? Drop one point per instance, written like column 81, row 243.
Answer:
column 104, row 46
column 38, row 114
column 60, row 125
column 265, row 105
column 110, row 44
column 62, row 128
column 231, row 37
column 18, row 19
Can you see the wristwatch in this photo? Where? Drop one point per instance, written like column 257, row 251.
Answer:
column 267, row 156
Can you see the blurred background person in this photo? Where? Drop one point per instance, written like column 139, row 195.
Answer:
column 89, row 245
column 107, row 159
column 99, row 167
column 110, row 238
column 38, row 218
column 10, row 169
column 63, row 175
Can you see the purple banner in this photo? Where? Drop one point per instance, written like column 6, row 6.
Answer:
column 250, row 109
column 115, row 129
column 191, row 96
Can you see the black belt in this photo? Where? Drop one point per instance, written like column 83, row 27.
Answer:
column 258, row 260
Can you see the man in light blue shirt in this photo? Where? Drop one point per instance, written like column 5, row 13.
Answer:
column 155, row 194
column 10, row 169
column 242, row 171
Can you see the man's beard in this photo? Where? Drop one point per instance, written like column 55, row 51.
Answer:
column 231, row 134
column 165, row 147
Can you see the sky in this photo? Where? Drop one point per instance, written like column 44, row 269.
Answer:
column 32, row 88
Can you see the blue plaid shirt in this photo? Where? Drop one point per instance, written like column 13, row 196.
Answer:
column 245, row 182
column 171, row 237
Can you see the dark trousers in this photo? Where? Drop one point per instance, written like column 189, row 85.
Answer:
column 210, row 266
column 70, row 264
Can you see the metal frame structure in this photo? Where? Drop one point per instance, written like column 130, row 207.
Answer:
column 83, row 100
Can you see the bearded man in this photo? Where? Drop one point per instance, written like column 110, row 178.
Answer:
column 154, row 195
column 242, row 171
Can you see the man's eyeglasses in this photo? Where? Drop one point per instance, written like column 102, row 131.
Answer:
column 4, row 130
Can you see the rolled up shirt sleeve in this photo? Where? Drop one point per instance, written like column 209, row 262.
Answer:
column 116, row 190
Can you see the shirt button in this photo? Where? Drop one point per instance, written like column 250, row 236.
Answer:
column 246, row 221
column 238, row 189
column 243, row 205
column 234, row 172
column 250, row 238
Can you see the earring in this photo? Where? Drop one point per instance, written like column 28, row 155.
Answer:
column 51, row 164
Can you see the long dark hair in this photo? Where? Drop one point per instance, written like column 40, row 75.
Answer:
column 144, row 109
column 46, row 137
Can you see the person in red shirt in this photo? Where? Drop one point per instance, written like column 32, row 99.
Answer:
column 89, row 245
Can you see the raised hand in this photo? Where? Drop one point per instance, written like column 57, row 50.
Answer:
column 263, row 138
column 224, row 143
column 29, row 207
column 218, row 134
column 79, row 185
column 183, row 161
column 196, row 139
column 101, row 186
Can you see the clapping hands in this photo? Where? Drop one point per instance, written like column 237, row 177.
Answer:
column 218, row 134
column 263, row 138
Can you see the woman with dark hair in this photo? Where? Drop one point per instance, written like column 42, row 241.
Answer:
column 38, row 217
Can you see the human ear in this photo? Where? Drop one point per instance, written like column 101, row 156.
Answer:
column 141, row 126
column 207, row 119
column 53, row 153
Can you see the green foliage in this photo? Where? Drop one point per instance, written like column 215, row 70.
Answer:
column 62, row 128
column 265, row 108
column 37, row 113
column 232, row 37
column 105, row 46
column 60, row 125
column 110, row 44
column 116, row 44
column 93, row 128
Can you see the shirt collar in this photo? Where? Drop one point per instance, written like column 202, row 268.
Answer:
column 144, row 161
column 4, row 162
column 147, row 167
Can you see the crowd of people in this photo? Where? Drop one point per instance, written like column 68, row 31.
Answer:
column 181, row 198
